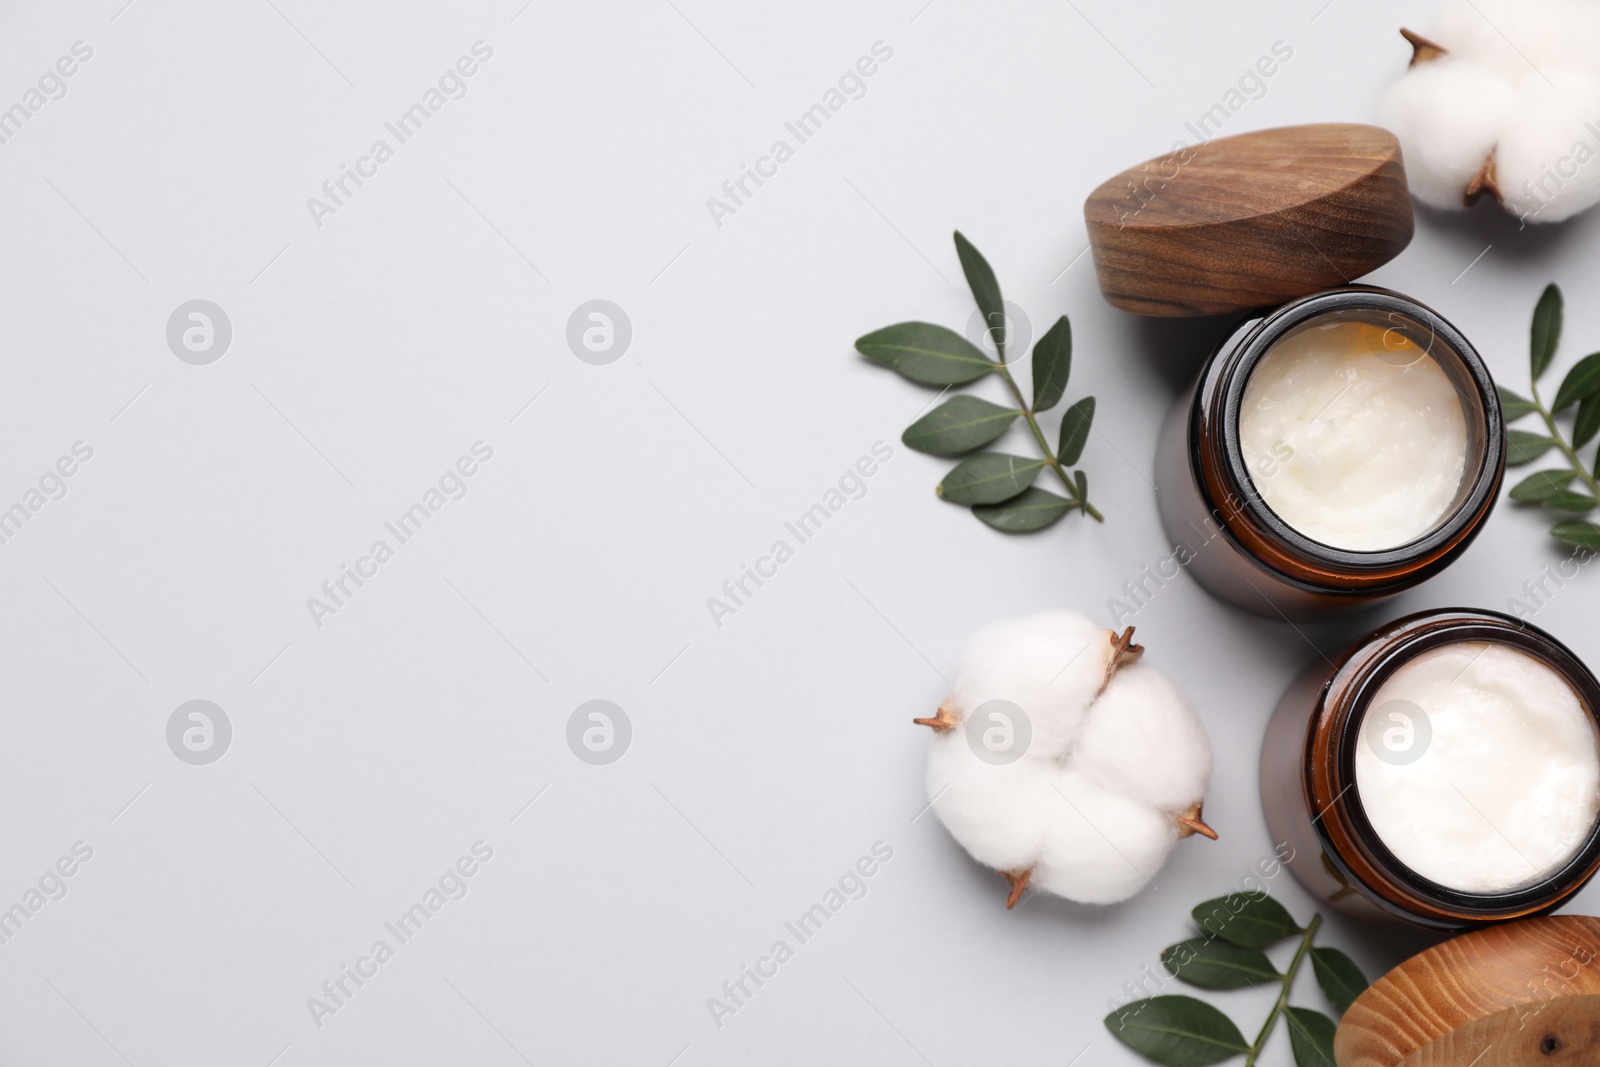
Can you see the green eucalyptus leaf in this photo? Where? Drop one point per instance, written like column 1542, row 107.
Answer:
column 1310, row 1037
column 1541, row 485
column 1081, row 481
column 1246, row 920
column 1546, row 332
column 1513, row 406
column 1032, row 509
column 985, row 290
column 1577, row 533
column 1570, row 500
column 1339, row 976
column 1176, row 1031
column 1210, row 963
column 1075, row 426
column 989, row 478
column 1581, row 382
column 926, row 354
column 959, row 425
column 1587, row 422
column 1524, row 447
column 1052, row 365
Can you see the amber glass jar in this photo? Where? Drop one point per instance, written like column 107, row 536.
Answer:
column 1312, row 802
column 1236, row 546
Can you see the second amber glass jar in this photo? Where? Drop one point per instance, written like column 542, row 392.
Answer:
column 1313, row 805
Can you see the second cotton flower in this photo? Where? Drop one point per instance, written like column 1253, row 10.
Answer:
column 1063, row 762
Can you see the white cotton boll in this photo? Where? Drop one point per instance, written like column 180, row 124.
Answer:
column 1545, row 163
column 1049, row 664
column 1101, row 847
column 1143, row 738
column 1485, row 29
column 997, row 813
column 1562, row 34
column 1447, row 113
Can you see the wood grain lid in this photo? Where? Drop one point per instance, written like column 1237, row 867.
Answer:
column 1524, row 992
column 1250, row 221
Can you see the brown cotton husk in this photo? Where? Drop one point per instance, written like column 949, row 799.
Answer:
column 1123, row 652
column 1482, row 183
column 1422, row 49
column 1190, row 823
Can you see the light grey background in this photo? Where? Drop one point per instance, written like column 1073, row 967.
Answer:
column 368, row 354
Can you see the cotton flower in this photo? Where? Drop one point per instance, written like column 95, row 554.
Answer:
column 1502, row 99
column 1062, row 762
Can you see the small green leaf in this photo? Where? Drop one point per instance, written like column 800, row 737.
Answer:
column 1213, row 964
column 986, row 291
column 1176, row 1031
column 1081, row 481
column 1052, row 365
column 1075, row 431
column 1541, row 485
column 1546, row 332
column 959, row 425
column 989, row 478
column 1577, row 533
column 1587, row 421
column 1571, row 501
column 1032, row 509
column 1246, row 920
column 1581, row 382
column 1524, row 447
column 926, row 354
column 1310, row 1037
column 1339, row 976
column 1512, row 406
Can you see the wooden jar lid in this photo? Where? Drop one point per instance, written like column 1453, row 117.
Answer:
column 1524, row 992
column 1250, row 221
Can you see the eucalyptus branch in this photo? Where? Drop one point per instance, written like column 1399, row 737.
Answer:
column 1179, row 1031
column 1552, row 488
column 998, row 487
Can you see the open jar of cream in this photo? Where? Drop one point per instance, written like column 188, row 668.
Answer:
column 1339, row 449
column 1342, row 443
column 1444, row 771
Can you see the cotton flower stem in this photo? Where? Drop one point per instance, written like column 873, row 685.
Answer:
column 1049, row 457
column 1283, row 994
column 1561, row 443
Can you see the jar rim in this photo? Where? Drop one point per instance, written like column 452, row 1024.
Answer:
column 1367, row 666
column 1296, row 556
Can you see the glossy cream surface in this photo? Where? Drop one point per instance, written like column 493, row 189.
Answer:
column 1353, row 435
column 1495, row 784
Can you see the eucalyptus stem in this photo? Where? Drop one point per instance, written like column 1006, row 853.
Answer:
column 1283, row 994
column 1561, row 443
column 1044, row 446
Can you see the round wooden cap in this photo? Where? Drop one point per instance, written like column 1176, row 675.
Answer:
column 1524, row 992
column 1250, row 221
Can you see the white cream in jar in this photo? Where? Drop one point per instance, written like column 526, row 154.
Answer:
column 1495, row 785
column 1353, row 435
